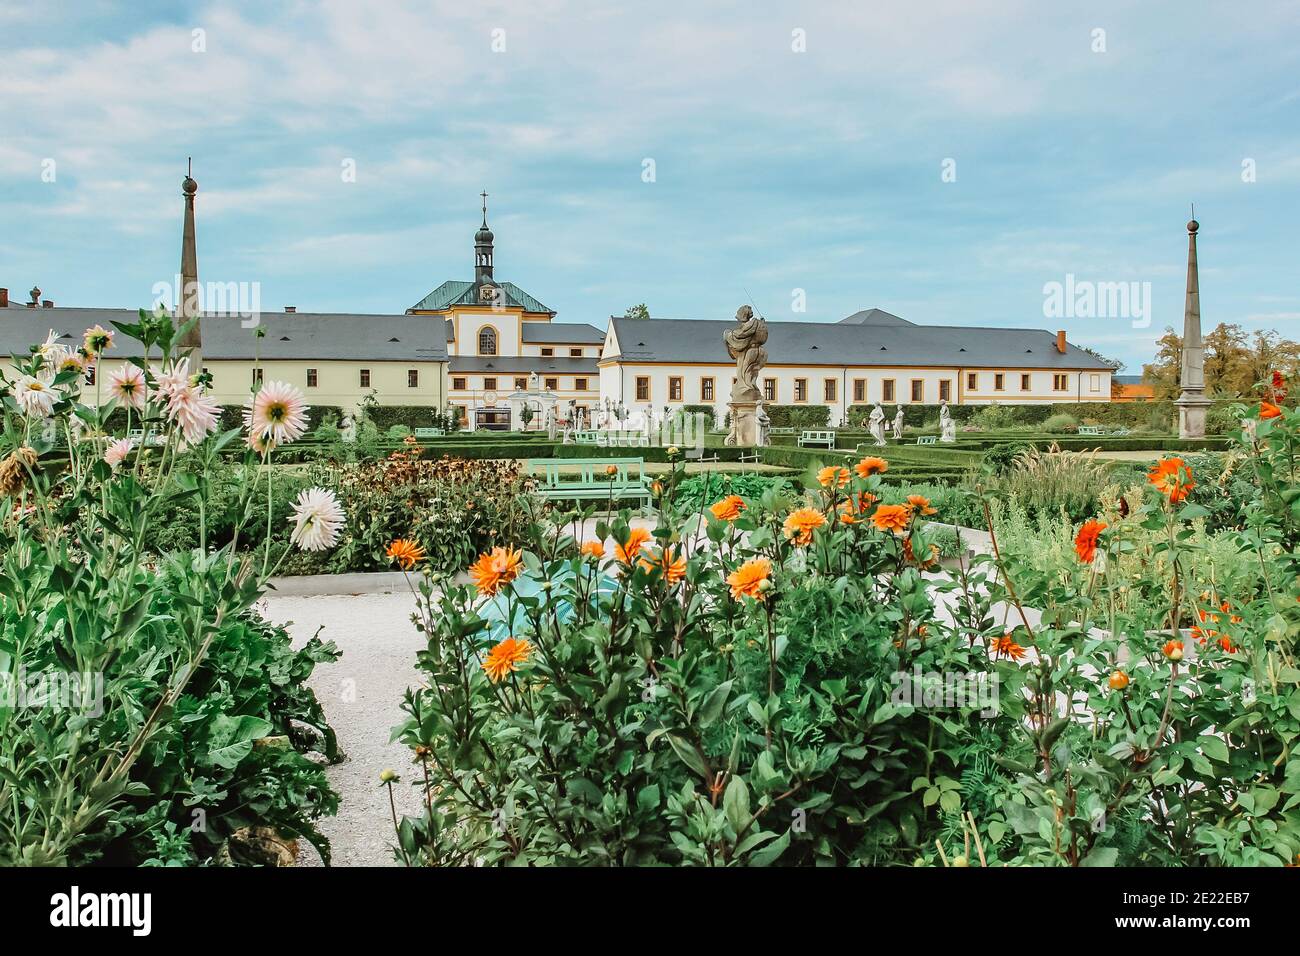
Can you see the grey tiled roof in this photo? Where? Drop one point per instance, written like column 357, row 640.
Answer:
column 289, row 335
column 838, row 344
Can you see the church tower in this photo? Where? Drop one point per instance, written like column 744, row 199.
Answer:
column 483, row 250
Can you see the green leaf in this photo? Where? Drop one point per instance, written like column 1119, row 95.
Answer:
column 735, row 803
column 688, row 755
column 714, row 704
column 1214, row 748
column 647, row 798
column 772, row 852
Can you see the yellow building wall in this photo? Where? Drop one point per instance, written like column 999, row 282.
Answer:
column 337, row 382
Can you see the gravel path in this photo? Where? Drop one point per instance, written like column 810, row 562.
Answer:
column 362, row 696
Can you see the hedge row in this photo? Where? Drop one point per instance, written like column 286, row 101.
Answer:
column 1117, row 414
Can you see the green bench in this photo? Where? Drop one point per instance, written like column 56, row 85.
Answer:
column 1090, row 430
column 809, row 438
column 580, row 479
column 429, row 433
column 780, row 431
column 927, row 439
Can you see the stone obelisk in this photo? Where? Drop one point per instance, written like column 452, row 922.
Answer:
column 189, row 297
column 1192, row 403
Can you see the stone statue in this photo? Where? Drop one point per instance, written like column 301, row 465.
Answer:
column 745, row 344
column 534, row 382
column 348, row 429
column 550, row 422
column 876, row 424
column 764, row 425
column 947, row 427
column 580, row 418
column 898, row 424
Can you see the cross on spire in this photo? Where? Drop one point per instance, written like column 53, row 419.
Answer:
column 484, row 195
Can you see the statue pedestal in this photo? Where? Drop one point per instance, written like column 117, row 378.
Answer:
column 1191, row 415
column 744, row 424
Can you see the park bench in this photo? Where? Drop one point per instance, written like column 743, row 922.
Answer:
column 1121, row 433
column 807, row 438
column 1090, row 430
column 781, row 431
column 579, row 479
column 586, row 437
column 627, row 439
column 927, row 439
column 429, row 433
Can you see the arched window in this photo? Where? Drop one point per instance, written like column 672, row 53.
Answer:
column 487, row 341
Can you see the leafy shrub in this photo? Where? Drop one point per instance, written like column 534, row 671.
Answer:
column 1060, row 423
column 799, row 416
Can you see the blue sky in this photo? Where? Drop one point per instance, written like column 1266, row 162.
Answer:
column 775, row 170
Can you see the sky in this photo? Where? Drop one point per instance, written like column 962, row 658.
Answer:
column 945, row 160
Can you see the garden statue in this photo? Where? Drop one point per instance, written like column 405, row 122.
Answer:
column 745, row 344
column 876, row 424
column 348, row 429
column 580, row 418
column 764, row 424
column 947, row 427
column 534, row 383
column 550, row 423
column 649, row 422
column 898, row 424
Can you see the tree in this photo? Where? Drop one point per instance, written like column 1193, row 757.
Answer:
column 1235, row 361
column 637, row 312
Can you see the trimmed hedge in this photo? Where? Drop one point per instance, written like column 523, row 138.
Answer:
column 412, row 416
column 1116, row 414
column 799, row 416
column 232, row 416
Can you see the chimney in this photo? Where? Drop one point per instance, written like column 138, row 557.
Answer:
column 48, row 303
column 291, row 308
column 1060, row 342
column 4, row 298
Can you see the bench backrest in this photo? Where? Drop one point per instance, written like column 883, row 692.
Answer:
column 927, row 439
column 429, row 432
column 587, row 472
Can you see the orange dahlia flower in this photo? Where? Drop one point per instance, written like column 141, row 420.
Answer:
column 674, row 568
column 921, row 505
column 871, row 466
column 495, row 568
column 593, row 549
column 801, row 524
column 833, row 476
column 637, row 538
column 1269, row 410
column 1118, row 680
column 1085, row 542
column 729, row 508
column 1173, row 477
column 749, row 578
column 405, row 552
column 1004, row 646
column 1173, row 650
column 506, row 657
column 893, row 518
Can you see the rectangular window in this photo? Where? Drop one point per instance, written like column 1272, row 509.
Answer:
column 887, row 390
column 575, row 353
column 412, row 378
column 769, row 389
column 365, row 378
column 801, row 389
column 859, row 389
column 706, row 389
column 458, row 384
column 945, row 390
column 548, row 352
column 552, row 384
column 1060, row 382
column 1094, row 383
column 257, row 376
column 490, row 384
column 1025, row 382
column 829, row 390
column 580, row 384
column 918, row 389
column 998, row 381
column 972, row 382
column 311, row 378
column 675, row 388
column 643, row 388
column 521, row 384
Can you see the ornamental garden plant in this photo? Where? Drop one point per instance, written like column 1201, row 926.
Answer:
column 148, row 715
column 788, row 678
